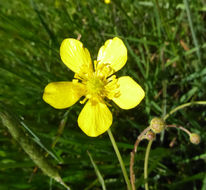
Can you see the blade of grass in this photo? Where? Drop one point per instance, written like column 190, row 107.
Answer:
column 136, row 58
column 187, row 53
column 189, row 17
column 100, row 177
column 38, row 141
column 9, row 120
column 43, row 22
column 204, row 183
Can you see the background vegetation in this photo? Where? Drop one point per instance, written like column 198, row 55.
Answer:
column 162, row 38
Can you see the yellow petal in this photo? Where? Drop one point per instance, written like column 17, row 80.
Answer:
column 75, row 56
column 62, row 95
column 113, row 52
column 95, row 118
column 131, row 93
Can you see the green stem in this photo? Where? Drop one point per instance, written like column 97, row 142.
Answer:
column 179, row 127
column 183, row 106
column 146, row 164
column 120, row 159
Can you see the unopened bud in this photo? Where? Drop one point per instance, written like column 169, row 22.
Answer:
column 157, row 125
column 194, row 138
column 150, row 135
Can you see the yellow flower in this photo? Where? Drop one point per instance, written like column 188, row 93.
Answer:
column 107, row 1
column 95, row 84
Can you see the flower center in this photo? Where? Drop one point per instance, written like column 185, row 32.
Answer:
column 95, row 86
column 100, row 84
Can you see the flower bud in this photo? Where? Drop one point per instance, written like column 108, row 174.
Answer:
column 194, row 138
column 150, row 135
column 157, row 125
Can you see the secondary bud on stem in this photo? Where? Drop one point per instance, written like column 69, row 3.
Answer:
column 194, row 138
column 150, row 135
column 157, row 125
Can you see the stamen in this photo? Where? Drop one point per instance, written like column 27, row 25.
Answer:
column 75, row 81
column 112, row 88
column 77, row 76
column 95, row 65
column 86, row 71
column 99, row 84
column 84, row 100
column 103, row 70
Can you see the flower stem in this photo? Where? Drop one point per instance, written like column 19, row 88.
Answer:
column 132, row 156
column 183, row 106
column 119, row 158
column 180, row 127
column 146, row 164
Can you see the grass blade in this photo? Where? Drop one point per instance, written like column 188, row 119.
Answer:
column 192, row 30
column 34, row 152
column 100, row 178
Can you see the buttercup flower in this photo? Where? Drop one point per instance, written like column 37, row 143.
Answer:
column 107, row 1
column 95, row 83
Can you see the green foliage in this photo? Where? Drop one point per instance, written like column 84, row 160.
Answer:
column 163, row 57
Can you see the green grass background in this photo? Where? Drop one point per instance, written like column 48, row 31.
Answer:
column 166, row 56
